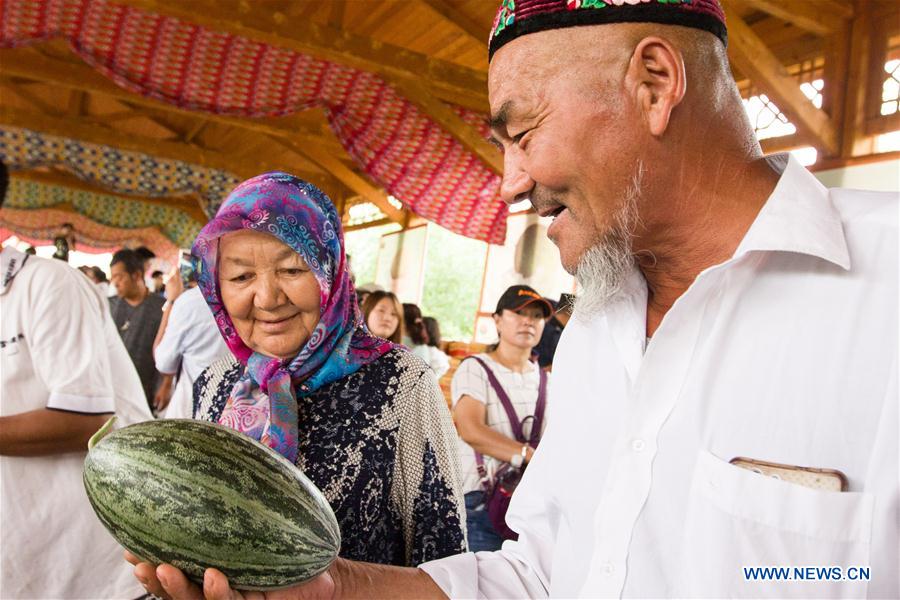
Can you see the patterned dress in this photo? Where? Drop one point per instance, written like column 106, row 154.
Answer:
column 381, row 446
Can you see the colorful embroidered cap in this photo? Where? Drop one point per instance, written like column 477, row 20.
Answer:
column 516, row 18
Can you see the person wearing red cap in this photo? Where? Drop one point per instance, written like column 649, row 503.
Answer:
column 499, row 400
column 725, row 396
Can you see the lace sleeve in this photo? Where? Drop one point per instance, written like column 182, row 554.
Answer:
column 426, row 485
column 213, row 387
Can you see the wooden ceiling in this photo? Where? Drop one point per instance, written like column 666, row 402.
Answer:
column 434, row 52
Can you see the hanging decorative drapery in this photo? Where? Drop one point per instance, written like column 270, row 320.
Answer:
column 104, row 209
column 119, row 171
column 189, row 66
column 38, row 227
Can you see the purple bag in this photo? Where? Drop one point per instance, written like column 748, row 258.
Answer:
column 498, row 493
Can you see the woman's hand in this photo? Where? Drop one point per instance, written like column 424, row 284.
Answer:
column 168, row 582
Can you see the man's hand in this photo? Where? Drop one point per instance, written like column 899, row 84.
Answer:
column 174, row 286
column 163, row 393
column 170, row 583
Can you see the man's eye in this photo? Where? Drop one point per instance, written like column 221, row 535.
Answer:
column 518, row 137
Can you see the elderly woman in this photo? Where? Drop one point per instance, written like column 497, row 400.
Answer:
column 362, row 417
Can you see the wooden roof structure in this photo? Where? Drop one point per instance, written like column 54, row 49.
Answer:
column 431, row 53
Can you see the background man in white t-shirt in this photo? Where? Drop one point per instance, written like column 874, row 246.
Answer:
column 64, row 373
column 187, row 342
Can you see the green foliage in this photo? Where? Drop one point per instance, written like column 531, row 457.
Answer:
column 454, row 268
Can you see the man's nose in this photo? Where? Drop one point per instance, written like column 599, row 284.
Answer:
column 516, row 184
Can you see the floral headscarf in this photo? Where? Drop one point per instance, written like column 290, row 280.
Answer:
column 301, row 216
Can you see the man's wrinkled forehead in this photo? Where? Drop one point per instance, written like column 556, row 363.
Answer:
column 523, row 67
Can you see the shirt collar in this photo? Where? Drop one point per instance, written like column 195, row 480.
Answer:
column 11, row 262
column 798, row 217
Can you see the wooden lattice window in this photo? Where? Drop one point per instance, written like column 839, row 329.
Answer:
column 767, row 119
column 890, row 89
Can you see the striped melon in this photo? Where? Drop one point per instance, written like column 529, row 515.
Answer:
column 198, row 495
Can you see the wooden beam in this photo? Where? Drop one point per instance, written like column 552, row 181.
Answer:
column 77, row 102
column 807, row 15
column 449, row 81
column 92, row 132
column 192, row 133
column 783, row 143
column 26, row 63
column 853, row 139
column 336, row 13
column 883, row 124
column 28, row 97
column 359, row 184
column 450, row 13
column 467, row 135
column 750, row 54
column 375, row 223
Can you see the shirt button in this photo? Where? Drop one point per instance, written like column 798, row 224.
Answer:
column 638, row 445
column 609, row 568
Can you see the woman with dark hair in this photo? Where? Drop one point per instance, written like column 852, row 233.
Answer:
column 362, row 417
column 419, row 341
column 383, row 315
column 433, row 329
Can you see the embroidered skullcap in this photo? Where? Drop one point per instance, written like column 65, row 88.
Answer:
column 516, row 18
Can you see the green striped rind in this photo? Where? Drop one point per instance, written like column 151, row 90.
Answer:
column 198, row 495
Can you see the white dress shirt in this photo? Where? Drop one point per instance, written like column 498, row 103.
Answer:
column 787, row 353
column 190, row 343
column 60, row 350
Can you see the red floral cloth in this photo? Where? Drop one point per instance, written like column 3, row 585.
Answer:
column 165, row 58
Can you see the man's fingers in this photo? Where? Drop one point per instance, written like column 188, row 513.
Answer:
column 146, row 574
column 216, row 587
column 176, row 585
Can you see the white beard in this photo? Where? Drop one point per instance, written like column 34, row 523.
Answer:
column 603, row 268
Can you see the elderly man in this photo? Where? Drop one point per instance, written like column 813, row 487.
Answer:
column 726, row 394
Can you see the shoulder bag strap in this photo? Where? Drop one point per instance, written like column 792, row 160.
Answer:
column 539, row 409
column 504, row 400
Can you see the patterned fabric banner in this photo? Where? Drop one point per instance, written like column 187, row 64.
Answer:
column 110, row 211
column 400, row 147
column 120, row 171
column 38, row 227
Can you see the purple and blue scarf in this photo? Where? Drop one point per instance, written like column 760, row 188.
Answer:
column 301, row 216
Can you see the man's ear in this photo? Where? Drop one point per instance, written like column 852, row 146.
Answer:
column 656, row 80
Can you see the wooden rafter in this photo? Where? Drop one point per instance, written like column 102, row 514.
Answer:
column 751, row 56
column 446, row 80
column 817, row 17
column 452, row 14
column 27, row 96
column 194, row 131
column 356, row 182
column 77, row 102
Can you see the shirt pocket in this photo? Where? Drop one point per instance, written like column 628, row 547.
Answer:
column 737, row 520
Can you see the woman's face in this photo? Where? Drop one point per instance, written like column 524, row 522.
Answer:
column 521, row 328
column 269, row 292
column 383, row 320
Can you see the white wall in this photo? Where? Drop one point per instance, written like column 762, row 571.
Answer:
column 882, row 176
